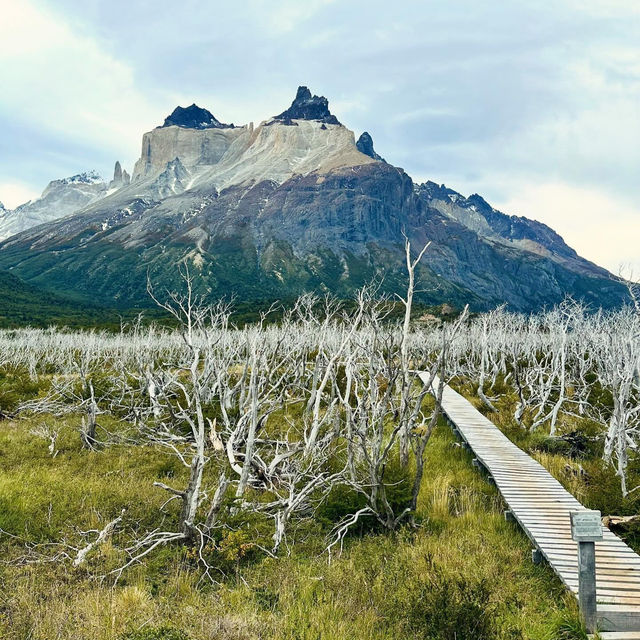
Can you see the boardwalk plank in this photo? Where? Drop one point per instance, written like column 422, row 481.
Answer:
column 541, row 506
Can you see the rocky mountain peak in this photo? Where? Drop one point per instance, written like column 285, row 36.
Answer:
column 80, row 181
column 308, row 107
column 479, row 203
column 194, row 117
column 86, row 177
column 303, row 94
column 171, row 181
column 365, row 145
column 60, row 198
column 435, row 191
column 120, row 178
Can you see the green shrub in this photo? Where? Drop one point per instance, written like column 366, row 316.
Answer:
column 16, row 386
column 156, row 633
column 569, row 628
column 630, row 533
column 398, row 481
column 578, row 443
column 441, row 605
column 343, row 500
column 267, row 599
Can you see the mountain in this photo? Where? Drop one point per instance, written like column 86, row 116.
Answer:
column 120, row 178
column 365, row 145
column 194, row 117
column 60, row 198
column 289, row 205
column 307, row 107
column 4, row 212
column 529, row 235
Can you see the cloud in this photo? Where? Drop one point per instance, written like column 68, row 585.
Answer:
column 284, row 16
column 606, row 8
column 60, row 82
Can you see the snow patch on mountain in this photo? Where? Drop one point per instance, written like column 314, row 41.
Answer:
column 60, row 198
column 87, row 177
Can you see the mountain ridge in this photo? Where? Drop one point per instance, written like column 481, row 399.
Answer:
column 296, row 204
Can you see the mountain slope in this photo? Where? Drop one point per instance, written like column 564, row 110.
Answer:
column 60, row 198
column 25, row 304
column 291, row 205
column 532, row 236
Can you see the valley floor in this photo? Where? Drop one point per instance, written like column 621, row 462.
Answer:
column 463, row 573
column 147, row 406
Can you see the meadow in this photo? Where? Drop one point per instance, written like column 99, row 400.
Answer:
column 292, row 479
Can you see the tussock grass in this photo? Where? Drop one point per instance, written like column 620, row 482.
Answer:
column 463, row 573
column 569, row 471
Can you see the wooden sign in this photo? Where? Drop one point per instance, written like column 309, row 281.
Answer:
column 586, row 526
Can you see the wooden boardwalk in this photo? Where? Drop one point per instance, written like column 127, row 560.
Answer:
column 541, row 506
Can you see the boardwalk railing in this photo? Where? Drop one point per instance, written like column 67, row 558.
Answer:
column 542, row 507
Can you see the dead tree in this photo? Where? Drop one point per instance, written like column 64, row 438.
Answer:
column 620, row 360
column 434, row 383
column 406, row 378
column 190, row 382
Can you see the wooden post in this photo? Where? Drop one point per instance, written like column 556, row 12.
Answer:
column 586, row 529
column 587, row 584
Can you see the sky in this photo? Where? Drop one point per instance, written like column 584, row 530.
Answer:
column 534, row 104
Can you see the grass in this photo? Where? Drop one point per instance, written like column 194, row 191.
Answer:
column 463, row 573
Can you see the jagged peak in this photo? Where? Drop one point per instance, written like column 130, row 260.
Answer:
column 80, row 180
column 176, row 168
column 86, row 177
column 170, row 181
column 365, row 145
column 477, row 201
column 440, row 191
column 120, row 177
column 193, row 117
column 307, row 107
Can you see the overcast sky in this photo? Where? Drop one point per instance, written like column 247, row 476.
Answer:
column 533, row 104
